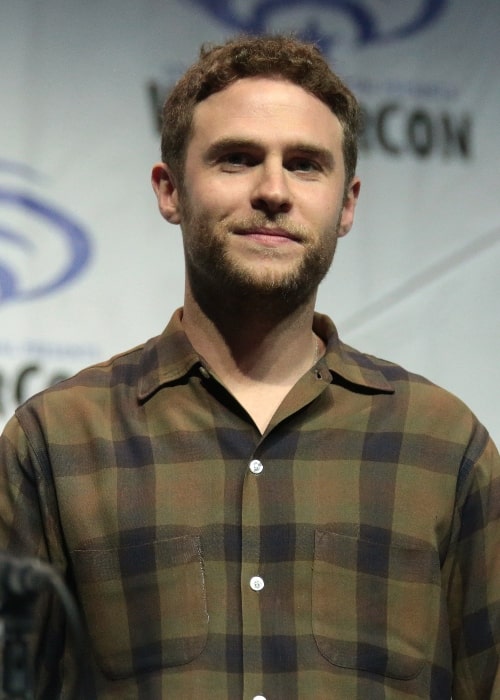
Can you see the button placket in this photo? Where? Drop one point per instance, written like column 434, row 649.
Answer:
column 251, row 583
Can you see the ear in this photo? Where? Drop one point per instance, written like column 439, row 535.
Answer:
column 349, row 206
column 167, row 192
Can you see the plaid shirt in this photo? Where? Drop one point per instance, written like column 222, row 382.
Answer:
column 350, row 552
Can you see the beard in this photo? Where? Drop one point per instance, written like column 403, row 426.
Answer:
column 221, row 284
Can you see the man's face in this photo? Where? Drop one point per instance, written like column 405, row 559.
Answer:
column 262, row 202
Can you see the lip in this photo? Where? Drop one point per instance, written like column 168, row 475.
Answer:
column 264, row 234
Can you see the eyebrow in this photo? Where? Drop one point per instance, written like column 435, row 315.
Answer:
column 306, row 149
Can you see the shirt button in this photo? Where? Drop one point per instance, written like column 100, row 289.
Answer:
column 256, row 467
column 204, row 372
column 256, row 583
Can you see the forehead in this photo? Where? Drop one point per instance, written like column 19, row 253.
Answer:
column 266, row 108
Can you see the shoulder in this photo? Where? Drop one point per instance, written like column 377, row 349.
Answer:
column 416, row 404
column 86, row 397
column 120, row 369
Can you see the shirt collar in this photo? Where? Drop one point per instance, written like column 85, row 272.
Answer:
column 167, row 358
column 170, row 357
column 353, row 366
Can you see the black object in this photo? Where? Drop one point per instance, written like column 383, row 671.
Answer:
column 21, row 582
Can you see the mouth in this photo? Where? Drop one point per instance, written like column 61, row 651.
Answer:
column 269, row 236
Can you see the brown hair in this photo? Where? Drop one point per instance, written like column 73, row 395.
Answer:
column 248, row 56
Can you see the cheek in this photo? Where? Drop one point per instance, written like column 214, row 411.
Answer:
column 211, row 202
column 324, row 218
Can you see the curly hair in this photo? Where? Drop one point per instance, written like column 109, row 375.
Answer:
column 274, row 56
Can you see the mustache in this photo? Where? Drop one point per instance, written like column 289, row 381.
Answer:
column 261, row 221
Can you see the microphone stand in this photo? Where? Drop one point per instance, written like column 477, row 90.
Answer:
column 19, row 622
column 21, row 581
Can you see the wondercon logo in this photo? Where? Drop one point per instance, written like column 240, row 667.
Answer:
column 42, row 248
column 372, row 21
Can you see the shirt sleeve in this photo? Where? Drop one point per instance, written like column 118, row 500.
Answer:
column 29, row 528
column 474, row 574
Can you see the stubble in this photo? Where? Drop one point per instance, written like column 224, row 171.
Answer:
column 221, row 284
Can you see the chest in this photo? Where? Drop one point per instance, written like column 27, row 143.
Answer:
column 202, row 472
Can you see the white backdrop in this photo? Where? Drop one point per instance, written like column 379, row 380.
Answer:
column 88, row 267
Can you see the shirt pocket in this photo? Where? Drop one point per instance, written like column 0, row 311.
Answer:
column 375, row 608
column 144, row 606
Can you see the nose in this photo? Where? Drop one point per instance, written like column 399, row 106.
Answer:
column 271, row 191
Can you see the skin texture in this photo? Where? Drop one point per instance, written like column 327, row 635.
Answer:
column 262, row 205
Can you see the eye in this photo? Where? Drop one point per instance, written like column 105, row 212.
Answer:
column 303, row 165
column 237, row 160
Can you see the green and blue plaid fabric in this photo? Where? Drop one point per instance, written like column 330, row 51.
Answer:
column 350, row 552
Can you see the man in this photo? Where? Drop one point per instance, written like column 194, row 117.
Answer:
column 245, row 507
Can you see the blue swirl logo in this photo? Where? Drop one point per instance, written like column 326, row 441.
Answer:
column 42, row 249
column 364, row 15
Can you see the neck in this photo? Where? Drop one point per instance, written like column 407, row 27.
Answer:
column 258, row 356
column 244, row 343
